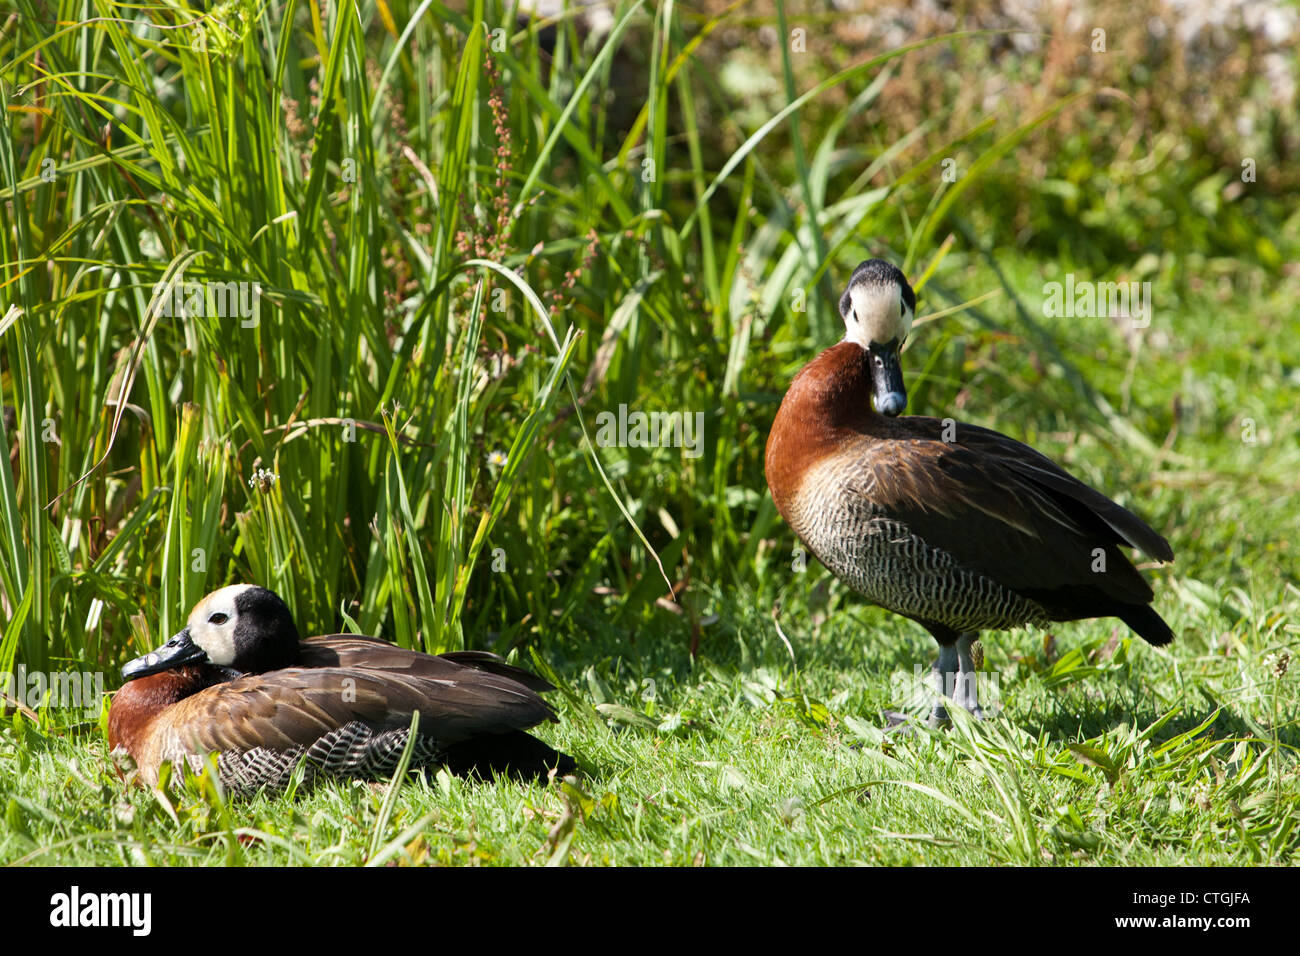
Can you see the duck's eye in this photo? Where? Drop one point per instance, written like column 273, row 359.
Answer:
column 218, row 618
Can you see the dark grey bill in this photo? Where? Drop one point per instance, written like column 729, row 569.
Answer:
column 887, row 387
column 177, row 652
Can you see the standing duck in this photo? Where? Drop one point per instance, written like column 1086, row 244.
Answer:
column 957, row 527
column 236, row 681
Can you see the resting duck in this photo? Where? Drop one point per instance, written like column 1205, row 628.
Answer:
column 237, row 681
column 957, row 527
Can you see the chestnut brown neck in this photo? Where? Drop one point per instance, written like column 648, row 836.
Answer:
column 835, row 387
column 829, row 398
column 141, row 700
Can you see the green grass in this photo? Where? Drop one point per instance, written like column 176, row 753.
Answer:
column 1124, row 756
column 448, row 273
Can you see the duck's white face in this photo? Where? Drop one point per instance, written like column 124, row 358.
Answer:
column 241, row 627
column 213, row 621
column 877, row 314
column 877, row 311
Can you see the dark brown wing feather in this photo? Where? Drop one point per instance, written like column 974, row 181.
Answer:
column 485, row 661
column 372, row 653
column 999, row 507
column 296, row 706
column 1034, row 467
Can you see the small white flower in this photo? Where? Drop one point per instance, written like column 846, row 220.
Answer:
column 263, row 480
column 1279, row 664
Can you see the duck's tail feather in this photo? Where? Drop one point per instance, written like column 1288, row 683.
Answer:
column 516, row 754
column 1147, row 623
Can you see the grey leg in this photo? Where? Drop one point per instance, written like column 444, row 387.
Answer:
column 944, row 673
column 965, row 692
